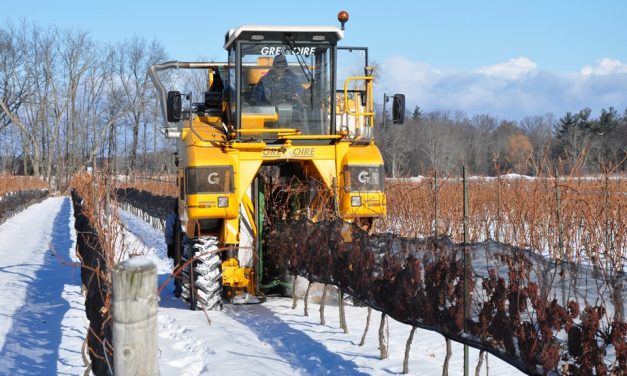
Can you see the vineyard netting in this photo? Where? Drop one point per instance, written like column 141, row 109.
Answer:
column 540, row 316
column 12, row 202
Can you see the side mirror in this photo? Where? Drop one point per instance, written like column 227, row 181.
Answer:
column 174, row 107
column 398, row 109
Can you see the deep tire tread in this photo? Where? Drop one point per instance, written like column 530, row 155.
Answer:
column 207, row 274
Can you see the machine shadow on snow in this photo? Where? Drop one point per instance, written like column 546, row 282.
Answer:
column 167, row 298
column 293, row 345
column 32, row 344
column 134, row 225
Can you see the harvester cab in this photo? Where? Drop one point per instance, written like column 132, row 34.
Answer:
column 281, row 130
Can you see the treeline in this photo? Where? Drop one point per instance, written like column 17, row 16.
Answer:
column 69, row 103
column 444, row 141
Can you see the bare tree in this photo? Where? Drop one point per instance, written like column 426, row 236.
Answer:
column 14, row 86
column 64, row 100
column 27, row 136
column 502, row 135
column 519, row 153
column 442, row 143
column 396, row 148
column 46, row 104
column 16, row 89
column 539, row 130
column 134, row 58
column 481, row 143
column 77, row 53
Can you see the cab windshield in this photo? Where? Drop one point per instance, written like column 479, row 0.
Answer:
column 286, row 86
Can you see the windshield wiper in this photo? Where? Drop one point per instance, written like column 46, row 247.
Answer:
column 289, row 39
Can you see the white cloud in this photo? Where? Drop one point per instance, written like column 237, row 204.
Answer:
column 512, row 69
column 604, row 66
column 509, row 90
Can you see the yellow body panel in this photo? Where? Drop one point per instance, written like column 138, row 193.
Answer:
column 324, row 157
column 247, row 158
column 373, row 204
column 237, row 278
column 206, row 206
column 257, row 121
column 254, row 74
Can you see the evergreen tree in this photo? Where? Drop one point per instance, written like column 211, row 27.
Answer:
column 583, row 120
column 608, row 120
column 566, row 124
column 417, row 114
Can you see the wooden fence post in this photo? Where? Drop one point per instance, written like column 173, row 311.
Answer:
column 134, row 314
column 560, row 223
column 467, row 267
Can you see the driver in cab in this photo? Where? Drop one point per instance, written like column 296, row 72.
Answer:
column 279, row 85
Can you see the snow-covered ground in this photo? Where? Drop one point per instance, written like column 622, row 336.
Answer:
column 42, row 317
column 42, row 323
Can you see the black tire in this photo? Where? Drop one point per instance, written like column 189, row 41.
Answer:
column 208, row 283
column 193, row 303
column 186, row 284
column 202, row 278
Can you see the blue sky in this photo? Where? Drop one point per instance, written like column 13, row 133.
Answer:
column 507, row 58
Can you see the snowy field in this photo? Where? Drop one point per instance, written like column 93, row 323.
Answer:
column 43, row 325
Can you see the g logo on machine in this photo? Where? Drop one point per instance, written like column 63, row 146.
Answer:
column 213, row 178
column 363, row 177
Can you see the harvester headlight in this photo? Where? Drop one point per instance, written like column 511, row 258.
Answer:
column 364, row 178
column 210, row 179
column 356, row 201
column 223, row 201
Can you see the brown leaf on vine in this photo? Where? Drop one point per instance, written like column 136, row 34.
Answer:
column 550, row 356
